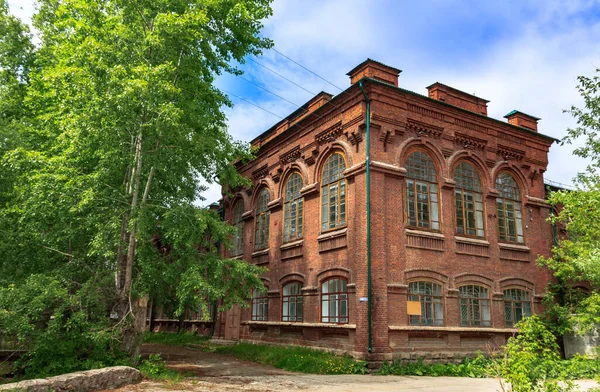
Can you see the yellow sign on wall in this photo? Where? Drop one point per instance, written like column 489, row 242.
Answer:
column 413, row 308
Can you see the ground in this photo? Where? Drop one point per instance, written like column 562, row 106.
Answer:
column 216, row 372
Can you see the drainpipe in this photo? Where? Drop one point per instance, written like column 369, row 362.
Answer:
column 368, row 180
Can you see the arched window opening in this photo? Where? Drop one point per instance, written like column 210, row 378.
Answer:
column 260, row 306
column 293, row 209
column 292, row 302
column 474, row 306
column 261, row 238
column 238, row 223
column 517, row 305
column 422, row 205
column 468, row 201
column 432, row 307
column 510, row 225
column 333, row 193
column 334, row 301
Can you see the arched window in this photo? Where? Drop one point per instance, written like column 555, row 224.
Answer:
column 432, row 307
column 238, row 222
column 474, row 306
column 334, row 301
column 261, row 238
column 468, row 200
column 260, row 306
column 333, row 193
column 293, row 208
column 422, row 192
column 291, row 300
column 510, row 226
column 517, row 304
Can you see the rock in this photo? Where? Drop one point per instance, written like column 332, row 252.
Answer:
column 87, row 381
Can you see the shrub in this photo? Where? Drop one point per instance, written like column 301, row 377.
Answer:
column 155, row 368
column 530, row 360
column 468, row 367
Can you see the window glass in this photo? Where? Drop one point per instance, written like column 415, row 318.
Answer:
column 510, row 224
column 293, row 209
column 238, row 239
column 430, row 296
column 292, row 309
column 422, row 192
column 334, row 301
column 474, row 306
column 261, row 238
column 260, row 306
column 333, row 193
column 468, row 201
column 517, row 304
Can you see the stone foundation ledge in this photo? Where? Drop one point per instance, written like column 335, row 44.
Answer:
column 87, row 381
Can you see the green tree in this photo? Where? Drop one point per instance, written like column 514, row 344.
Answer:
column 115, row 120
column 576, row 256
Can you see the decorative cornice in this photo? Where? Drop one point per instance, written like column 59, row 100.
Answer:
column 329, row 134
column 424, row 129
column 261, row 172
column 469, row 142
column 509, row 153
column 290, row 156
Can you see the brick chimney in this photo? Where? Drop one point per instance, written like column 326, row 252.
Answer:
column 523, row 120
column 374, row 70
column 441, row 92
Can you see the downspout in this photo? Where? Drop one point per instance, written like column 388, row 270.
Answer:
column 368, row 180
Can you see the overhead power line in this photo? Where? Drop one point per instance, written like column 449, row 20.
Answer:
column 269, row 91
column 281, row 76
column 253, row 104
column 300, row 65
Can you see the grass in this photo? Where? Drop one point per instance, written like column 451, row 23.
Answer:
column 295, row 359
column 174, row 339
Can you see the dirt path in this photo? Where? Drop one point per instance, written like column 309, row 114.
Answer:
column 216, row 372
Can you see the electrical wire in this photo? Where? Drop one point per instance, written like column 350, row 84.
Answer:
column 281, row 76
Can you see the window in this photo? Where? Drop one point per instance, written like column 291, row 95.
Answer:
column 260, row 306
column 292, row 302
column 474, row 306
column 430, row 296
column 261, row 238
column 510, row 226
column 238, row 239
column 517, row 305
column 468, row 200
column 334, row 301
column 333, row 193
column 422, row 192
column 292, row 209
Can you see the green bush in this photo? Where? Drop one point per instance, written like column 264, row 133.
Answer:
column 468, row 367
column 296, row 359
column 530, row 360
column 155, row 368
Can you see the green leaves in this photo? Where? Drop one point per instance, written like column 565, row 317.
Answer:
column 115, row 91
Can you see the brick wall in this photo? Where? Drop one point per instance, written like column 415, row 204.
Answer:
column 401, row 122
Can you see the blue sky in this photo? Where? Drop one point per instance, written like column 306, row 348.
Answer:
column 523, row 55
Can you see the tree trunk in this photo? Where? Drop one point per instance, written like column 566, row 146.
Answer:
column 132, row 314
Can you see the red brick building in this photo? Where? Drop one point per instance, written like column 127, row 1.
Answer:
column 455, row 220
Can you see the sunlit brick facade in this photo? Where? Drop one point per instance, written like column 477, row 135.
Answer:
column 458, row 219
